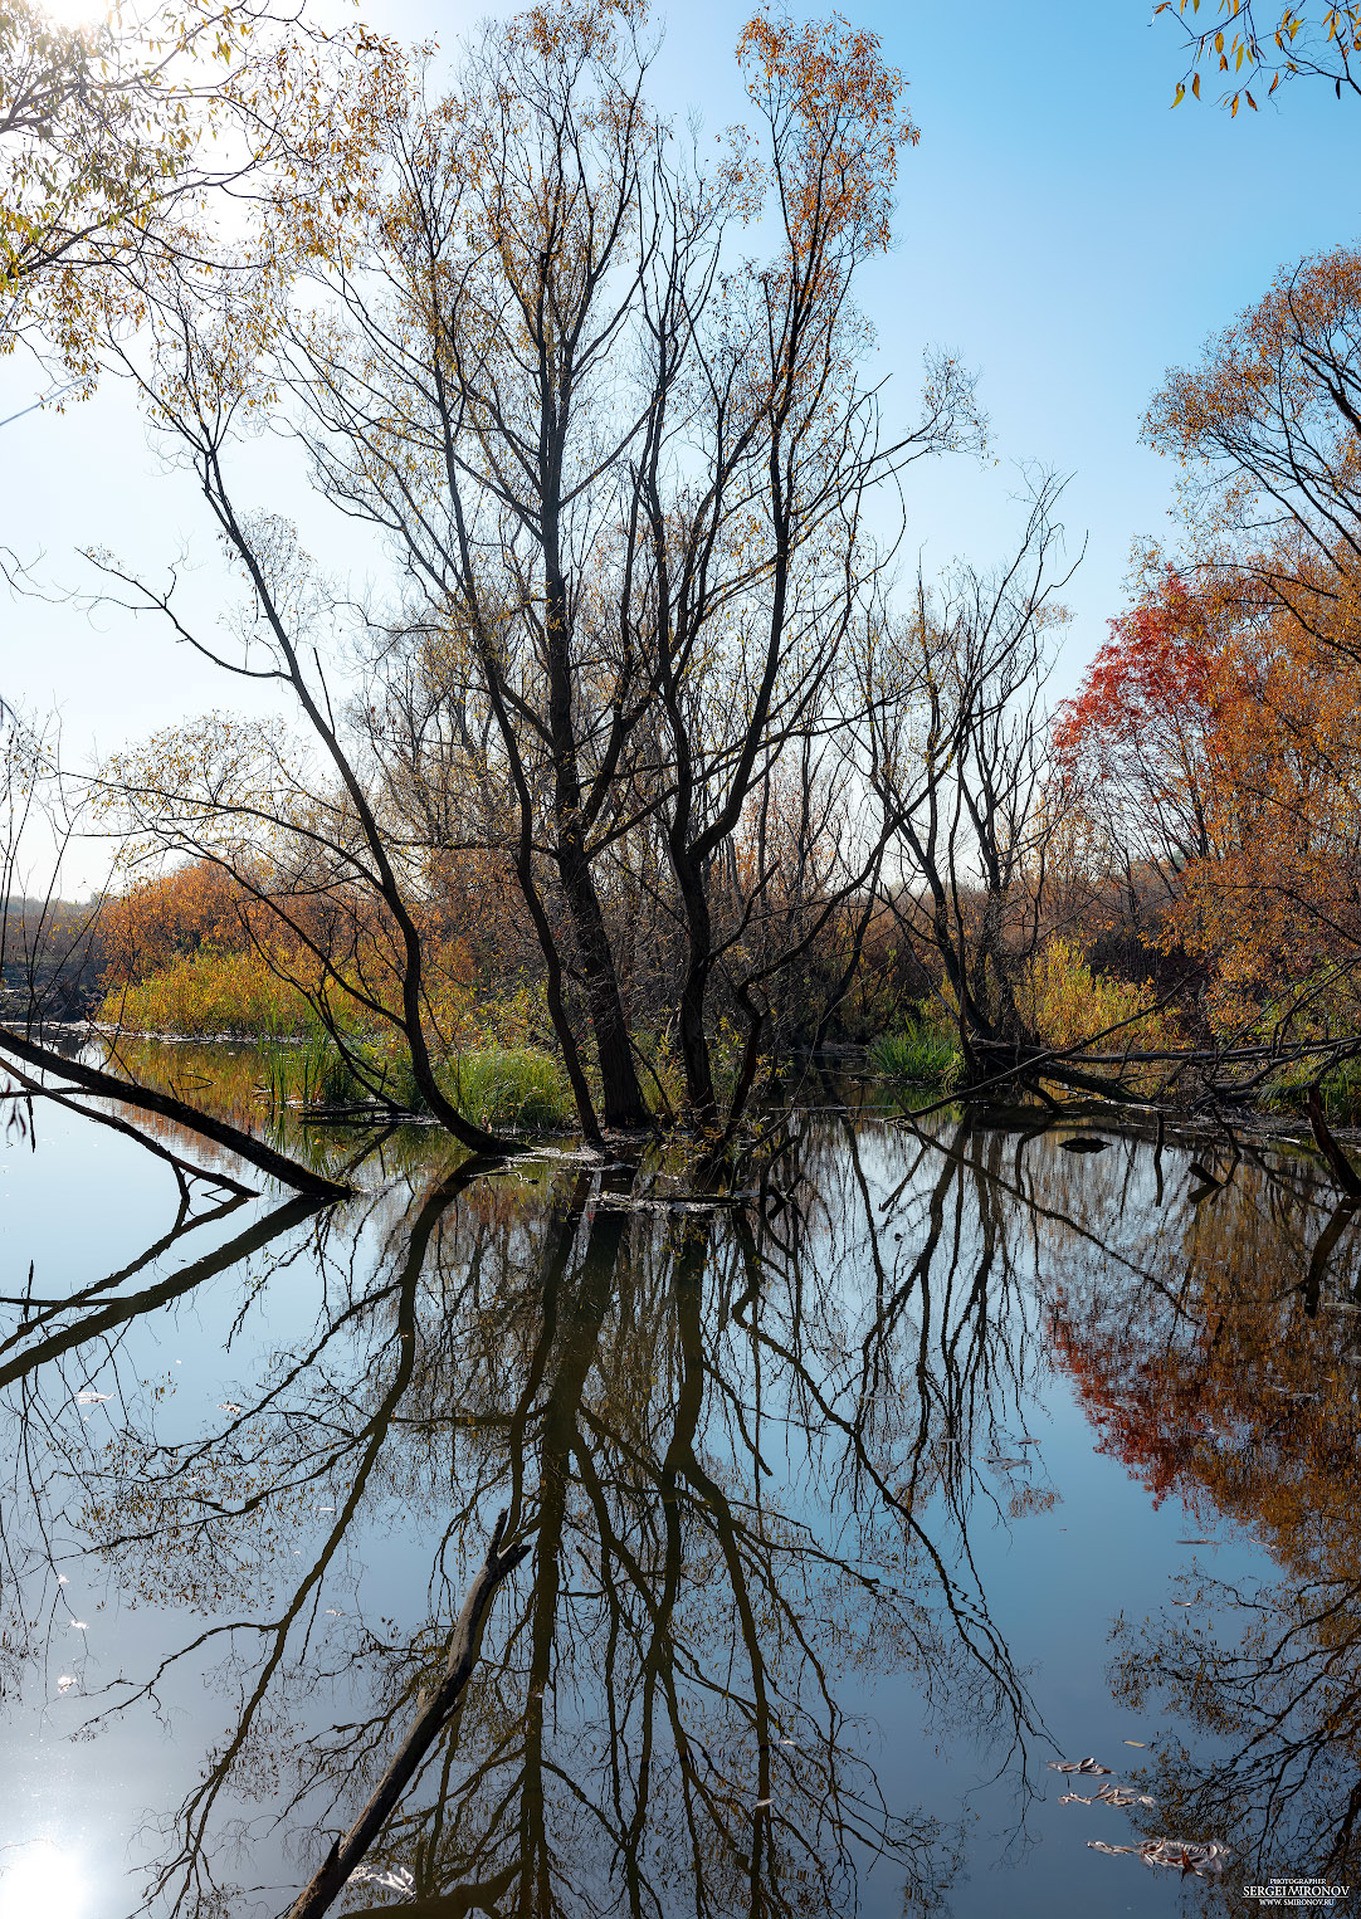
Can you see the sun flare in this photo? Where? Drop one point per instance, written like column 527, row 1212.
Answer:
column 76, row 13
column 40, row 1878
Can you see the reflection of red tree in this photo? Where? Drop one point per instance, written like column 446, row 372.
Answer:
column 1236, row 1401
column 1148, row 1416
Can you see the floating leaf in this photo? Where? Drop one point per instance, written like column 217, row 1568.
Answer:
column 1114, row 1795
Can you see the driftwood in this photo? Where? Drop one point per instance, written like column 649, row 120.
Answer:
column 145, row 1099
column 439, row 1712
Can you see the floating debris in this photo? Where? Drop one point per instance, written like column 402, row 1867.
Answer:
column 1111, row 1795
column 399, row 1879
column 1084, row 1145
column 66, row 1681
column 1114, row 1795
column 1203, row 1858
column 229, row 1406
column 1135, row 1742
column 1091, row 1767
column 88, row 1398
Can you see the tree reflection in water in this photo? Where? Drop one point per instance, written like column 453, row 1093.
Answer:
column 738, row 1437
column 1226, row 1373
column 749, row 1442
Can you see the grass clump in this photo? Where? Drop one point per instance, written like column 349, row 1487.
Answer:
column 508, row 1087
column 1339, row 1090
column 500, row 1088
column 921, row 1055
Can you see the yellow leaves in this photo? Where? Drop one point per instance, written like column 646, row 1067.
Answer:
column 834, row 109
column 1327, row 39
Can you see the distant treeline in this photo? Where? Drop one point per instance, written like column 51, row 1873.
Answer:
column 52, row 959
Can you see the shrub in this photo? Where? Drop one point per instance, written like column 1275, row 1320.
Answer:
column 1339, row 1089
column 210, row 993
column 1063, row 1001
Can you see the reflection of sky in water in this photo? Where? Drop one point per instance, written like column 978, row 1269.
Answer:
column 262, row 1363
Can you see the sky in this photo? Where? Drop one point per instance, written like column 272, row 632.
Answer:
column 1060, row 228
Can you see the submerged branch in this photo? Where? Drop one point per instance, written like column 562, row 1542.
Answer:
column 93, row 1079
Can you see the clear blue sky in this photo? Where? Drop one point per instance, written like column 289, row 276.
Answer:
column 1059, row 228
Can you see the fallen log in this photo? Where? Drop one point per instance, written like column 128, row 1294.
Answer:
column 146, row 1099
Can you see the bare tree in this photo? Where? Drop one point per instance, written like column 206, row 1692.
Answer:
column 959, row 737
column 624, row 468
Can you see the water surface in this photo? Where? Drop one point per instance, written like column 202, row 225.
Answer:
column 933, row 1455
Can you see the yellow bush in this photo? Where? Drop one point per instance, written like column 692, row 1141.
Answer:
column 1063, row 1001
column 210, row 993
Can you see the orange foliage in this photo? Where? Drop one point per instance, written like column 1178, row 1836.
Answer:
column 159, row 921
column 1217, row 737
column 825, row 82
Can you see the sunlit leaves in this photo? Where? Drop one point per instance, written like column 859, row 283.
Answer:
column 1317, row 40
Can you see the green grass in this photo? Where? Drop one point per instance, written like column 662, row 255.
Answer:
column 498, row 1087
column 509, row 1086
column 921, row 1055
column 1339, row 1088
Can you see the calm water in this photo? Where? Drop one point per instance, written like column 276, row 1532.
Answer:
column 852, row 1505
